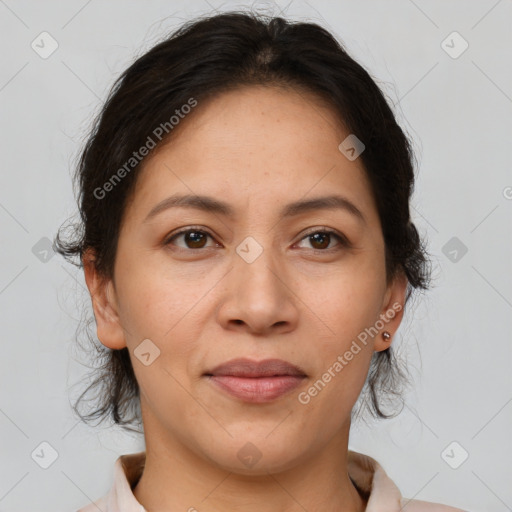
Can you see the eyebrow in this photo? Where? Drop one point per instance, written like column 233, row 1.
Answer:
column 212, row 205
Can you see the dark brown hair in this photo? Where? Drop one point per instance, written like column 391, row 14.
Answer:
column 204, row 57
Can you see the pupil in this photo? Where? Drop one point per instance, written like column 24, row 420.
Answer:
column 191, row 235
column 321, row 235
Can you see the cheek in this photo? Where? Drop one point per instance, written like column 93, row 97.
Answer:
column 348, row 308
column 161, row 314
column 335, row 388
column 348, row 303
column 154, row 302
column 345, row 360
column 164, row 308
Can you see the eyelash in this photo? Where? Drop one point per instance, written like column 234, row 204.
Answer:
column 343, row 241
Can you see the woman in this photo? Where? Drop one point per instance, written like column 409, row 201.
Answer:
column 246, row 241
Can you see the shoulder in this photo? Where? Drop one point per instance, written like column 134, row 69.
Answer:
column 100, row 504
column 383, row 494
column 409, row 505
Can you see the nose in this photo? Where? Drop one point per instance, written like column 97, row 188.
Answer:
column 259, row 297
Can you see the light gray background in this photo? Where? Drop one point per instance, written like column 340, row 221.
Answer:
column 457, row 340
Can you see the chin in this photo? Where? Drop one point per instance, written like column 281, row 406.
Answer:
column 257, row 458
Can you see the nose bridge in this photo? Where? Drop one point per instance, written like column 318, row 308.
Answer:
column 257, row 293
column 258, row 264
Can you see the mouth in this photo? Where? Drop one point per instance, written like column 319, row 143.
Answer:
column 256, row 381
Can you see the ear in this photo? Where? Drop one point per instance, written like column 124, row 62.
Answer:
column 392, row 310
column 104, row 303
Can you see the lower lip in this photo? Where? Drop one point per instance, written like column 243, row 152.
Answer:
column 257, row 389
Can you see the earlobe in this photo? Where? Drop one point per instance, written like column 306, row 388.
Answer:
column 104, row 303
column 392, row 311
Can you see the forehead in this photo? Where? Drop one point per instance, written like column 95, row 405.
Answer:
column 255, row 144
column 263, row 120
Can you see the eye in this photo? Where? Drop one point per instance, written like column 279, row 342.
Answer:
column 320, row 239
column 194, row 238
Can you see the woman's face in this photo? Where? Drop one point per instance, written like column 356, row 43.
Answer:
column 249, row 282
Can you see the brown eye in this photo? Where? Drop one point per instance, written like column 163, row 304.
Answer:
column 193, row 238
column 320, row 240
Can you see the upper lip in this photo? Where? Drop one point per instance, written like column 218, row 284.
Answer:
column 248, row 368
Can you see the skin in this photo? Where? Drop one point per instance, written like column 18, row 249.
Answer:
column 258, row 149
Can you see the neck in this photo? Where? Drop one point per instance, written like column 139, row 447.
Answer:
column 175, row 478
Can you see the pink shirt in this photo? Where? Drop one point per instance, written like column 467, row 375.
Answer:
column 366, row 473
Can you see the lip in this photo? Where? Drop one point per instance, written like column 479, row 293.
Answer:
column 256, row 381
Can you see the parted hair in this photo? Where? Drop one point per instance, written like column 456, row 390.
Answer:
column 204, row 57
